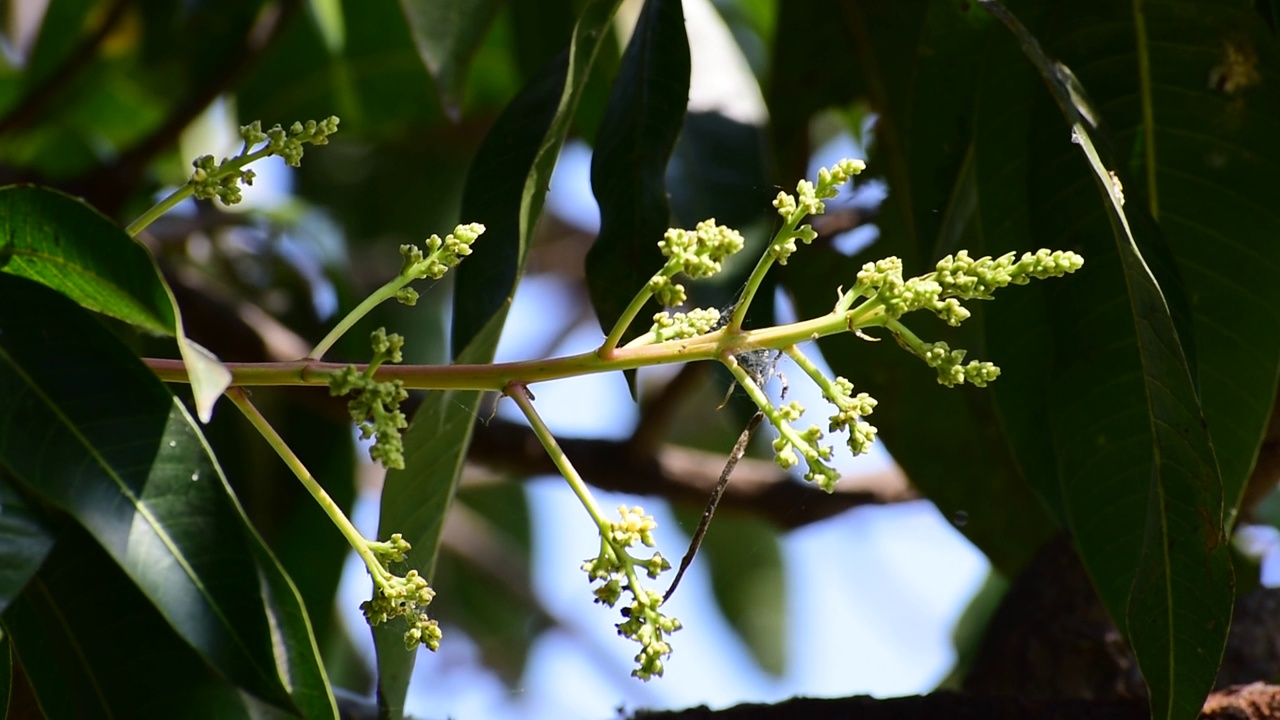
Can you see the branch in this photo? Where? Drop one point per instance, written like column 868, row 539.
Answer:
column 942, row 705
column 1249, row 702
column 758, row 487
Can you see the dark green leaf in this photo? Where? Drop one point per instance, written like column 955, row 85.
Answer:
column 809, row 76
column 66, row 24
column 363, row 68
column 147, row 489
column 1179, row 607
column 106, row 653
column 447, row 33
column 636, row 137
column 24, row 543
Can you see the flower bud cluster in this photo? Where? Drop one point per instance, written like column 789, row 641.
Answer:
column 212, row 179
column 957, row 277
column 440, row 258
column 850, row 411
column 698, row 253
column 374, row 405
column 972, row 279
column 644, row 622
column 395, row 596
column 682, row 326
column 808, row 201
column 288, row 144
column 951, row 368
column 791, row 441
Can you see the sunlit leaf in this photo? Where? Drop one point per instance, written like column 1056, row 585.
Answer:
column 63, row 243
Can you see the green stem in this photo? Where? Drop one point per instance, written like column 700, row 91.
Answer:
column 357, row 541
column 907, row 338
column 758, row 396
column 366, row 306
column 184, row 192
column 624, row 321
column 495, row 377
column 629, row 314
column 761, row 269
column 160, row 208
column 519, row 392
column 804, row 363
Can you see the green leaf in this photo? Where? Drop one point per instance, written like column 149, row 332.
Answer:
column 636, row 138
column 447, row 34
column 106, row 653
column 24, row 543
column 64, row 244
column 147, row 489
column 1179, row 607
column 505, row 190
column 748, row 580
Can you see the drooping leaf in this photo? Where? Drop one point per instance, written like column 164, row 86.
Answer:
column 447, row 34
column 505, row 190
column 1179, row 607
column 629, row 163
column 107, row 652
column 64, row 244
column 146, row 487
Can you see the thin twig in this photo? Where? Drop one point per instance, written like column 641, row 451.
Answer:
column 738, row 449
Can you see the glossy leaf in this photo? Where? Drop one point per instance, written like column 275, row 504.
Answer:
column 147, row 489
column 447, row 33
column 628, row 167
column 106, row 653
column 505, row 196
column 63, row 243
column 1180, row 604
